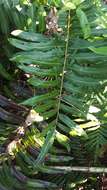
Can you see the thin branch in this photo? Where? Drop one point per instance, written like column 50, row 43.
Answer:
column 63, row 71
column 79, row 169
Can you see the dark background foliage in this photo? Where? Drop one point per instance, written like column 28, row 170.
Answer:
column 53, row 78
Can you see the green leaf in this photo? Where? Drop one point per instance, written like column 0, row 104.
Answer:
column 49, row 113
column 46, row 106
column 27, row 46
column 76, row 44
column 33, row 183
column 42, row 83
column 90, row 58
column 76, row 130
column 69, row 6
column 83, row 22
column 30, row 36
column 63, row 140
column 38, row 71
column 67, row 121
column 47, row 145
column 56, row 159
column 33, row 57
column 77, row 2
column 32, row 101
column 100, row 50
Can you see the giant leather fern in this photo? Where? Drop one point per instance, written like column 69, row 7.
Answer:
column 71, row 75
column 68, row 70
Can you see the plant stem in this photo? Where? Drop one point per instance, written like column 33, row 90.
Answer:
column 64, row 66
column 65, row 170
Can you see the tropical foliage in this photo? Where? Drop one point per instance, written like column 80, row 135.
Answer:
column 53, row 68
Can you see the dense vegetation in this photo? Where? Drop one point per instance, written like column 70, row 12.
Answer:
column 53, row 90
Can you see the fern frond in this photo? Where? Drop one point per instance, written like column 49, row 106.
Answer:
column 69, row 71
